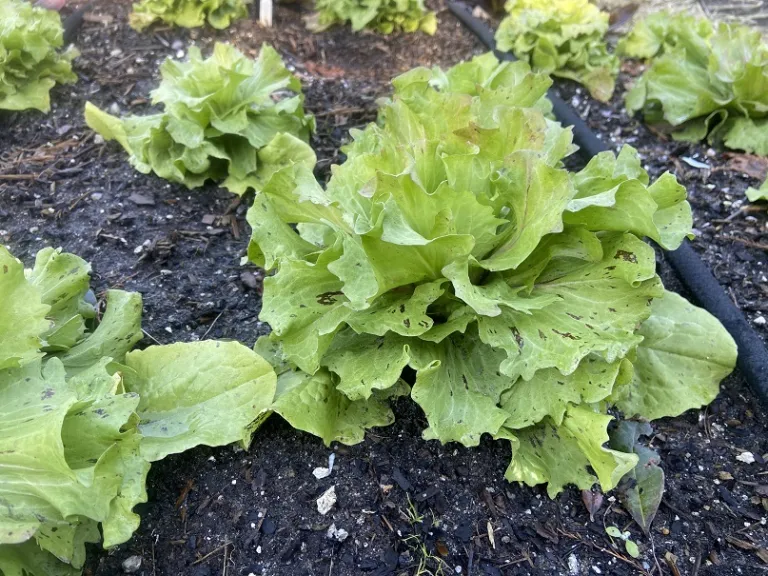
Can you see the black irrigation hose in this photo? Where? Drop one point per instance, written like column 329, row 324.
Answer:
column 693, row 272
column 73, row 22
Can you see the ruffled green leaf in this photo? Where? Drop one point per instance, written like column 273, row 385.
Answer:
column 23, row 317
column 311, row 403
column 568, row 454
column 63, row 280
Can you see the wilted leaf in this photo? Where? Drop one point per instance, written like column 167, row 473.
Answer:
column 641, row 490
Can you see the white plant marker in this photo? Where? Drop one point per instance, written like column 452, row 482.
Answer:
column 265, row 13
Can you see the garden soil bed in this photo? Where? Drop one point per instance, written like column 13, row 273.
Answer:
column 409, row 506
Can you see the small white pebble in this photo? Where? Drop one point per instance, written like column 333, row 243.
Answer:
column 760, row 321
column 746, row 457
column 234, row 482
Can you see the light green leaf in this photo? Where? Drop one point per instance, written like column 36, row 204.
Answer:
column 537, row 195
column 63, row 280
column 549, row 393
column 402, row 311
column 24, row 315
column 185, row 389
column 364, row 363
column 458, row 386
column 561, row 455
column 684, row 355
column 118, row 331
column 312, row 403
column 755, row 194
column 600, row 304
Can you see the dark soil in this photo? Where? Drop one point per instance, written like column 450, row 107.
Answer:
column 409, row 506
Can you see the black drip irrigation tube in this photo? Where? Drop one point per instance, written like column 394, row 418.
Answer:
column 692, row 271
column 73, row 22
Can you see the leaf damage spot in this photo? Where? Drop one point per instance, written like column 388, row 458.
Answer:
column 626, row 256
column 328, row 298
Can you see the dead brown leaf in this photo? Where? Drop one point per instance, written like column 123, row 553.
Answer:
column 754, row 166
column 323, row 71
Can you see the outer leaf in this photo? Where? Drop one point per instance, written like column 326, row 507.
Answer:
column 642, row 488
column 186, row 388
column 600, row 304
column 684, row 355
column 63, row 280
column 458, row 386
column 365, row 363
column 118, row 332
column 23, row 319
column 755, row 194
column 311, row 403
column 549, row 393
column 561, row 455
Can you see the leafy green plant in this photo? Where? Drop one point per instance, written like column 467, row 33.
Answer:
column 223, row 120
column 31, row 62
column 385, row 16
column 453, row 242
column 82, row 417
column 563, row 38
column 703, row 82
column 188, row 13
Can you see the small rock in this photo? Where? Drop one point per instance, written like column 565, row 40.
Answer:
column 746, row 457
column 573, row 564
column 114, row 109
column 326, row 501
column 478, row 12
column 399, row 477
column 760, row 321
column 64, row 129
column 180, row 54
column 338, row 534
column 321, row 472
column 97, row 196
column 268, row 526
column 251, row 281
column 177, row 45
column 131, row 564
column 141, row 200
